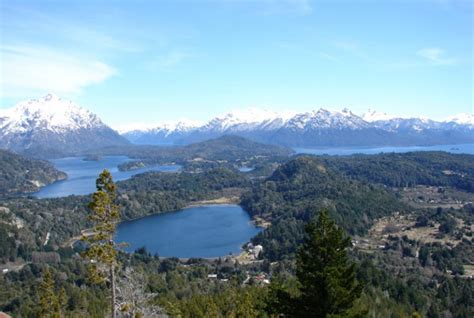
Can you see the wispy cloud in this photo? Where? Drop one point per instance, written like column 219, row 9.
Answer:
column 39, row 69
column 436, row 56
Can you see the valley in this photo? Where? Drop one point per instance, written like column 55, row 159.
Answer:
column 284, row 190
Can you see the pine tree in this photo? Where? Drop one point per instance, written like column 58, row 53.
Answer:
column 101, row 251
column 327, row 278
column 49, row 306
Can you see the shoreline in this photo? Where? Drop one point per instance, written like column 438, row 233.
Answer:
column 234, row 200
column 218, row 201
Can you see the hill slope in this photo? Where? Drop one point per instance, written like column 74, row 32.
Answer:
column 299, row 189
column 222, row 149
column 22, row 175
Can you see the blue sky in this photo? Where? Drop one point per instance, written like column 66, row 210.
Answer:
column 155, row 61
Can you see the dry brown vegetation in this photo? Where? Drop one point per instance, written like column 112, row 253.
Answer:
column 404, row 225
column 433, row 197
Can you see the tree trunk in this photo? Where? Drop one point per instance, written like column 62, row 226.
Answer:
column 112, row 285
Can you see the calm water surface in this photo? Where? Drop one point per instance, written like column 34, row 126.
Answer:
column 347, row 151
column 205, row 231
column 83, row 173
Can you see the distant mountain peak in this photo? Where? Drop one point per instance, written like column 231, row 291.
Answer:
column 318, row 127
column 51, row 97
column 461, row 119
column 49, row 112
column 52, row 122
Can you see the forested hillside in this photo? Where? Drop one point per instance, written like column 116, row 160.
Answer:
column 22, row 175
column 409, row 169
column 142, row 195
column 299, row 188
column 412, row 245
column 225, row 149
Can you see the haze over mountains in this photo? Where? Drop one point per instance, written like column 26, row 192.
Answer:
column 53, row 125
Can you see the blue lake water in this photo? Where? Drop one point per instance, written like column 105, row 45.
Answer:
column 204, row 231
column 347, row 151
column 83, row 173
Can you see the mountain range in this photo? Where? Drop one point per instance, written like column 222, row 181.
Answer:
column 51, row 126
column 312, row 129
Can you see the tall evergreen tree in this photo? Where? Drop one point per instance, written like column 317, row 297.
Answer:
column 101, row 251
column 49, row 304
column 327, row 278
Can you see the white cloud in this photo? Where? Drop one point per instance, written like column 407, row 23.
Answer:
column 435, row 56
column 27, row 70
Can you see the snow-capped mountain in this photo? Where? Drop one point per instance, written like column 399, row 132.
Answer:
column 325, row 119
column 53, row 125
column 249, row 119
column 321, row 127
column 407, row 124
column 147, row 134
column 462, row 119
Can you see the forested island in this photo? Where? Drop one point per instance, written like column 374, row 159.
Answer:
column 405, row 222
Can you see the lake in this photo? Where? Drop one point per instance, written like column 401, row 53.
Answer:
column 204, row 231
column 83, row 173
column 347, row 151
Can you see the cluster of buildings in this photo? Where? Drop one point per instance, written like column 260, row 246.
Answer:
column 254, row 250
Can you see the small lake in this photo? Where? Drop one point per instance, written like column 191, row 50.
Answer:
column 347, row 151
column 204, row 231
column 83, row 173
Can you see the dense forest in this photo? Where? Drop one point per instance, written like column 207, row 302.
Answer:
column 223, row 150
column 296, row 190
column 409, row 169
column 401, row 271
column 139, row 196
column 22, row 175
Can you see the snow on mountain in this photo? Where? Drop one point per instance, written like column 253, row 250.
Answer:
column 182, row 125
column 325, row 119
column 49, row 112
column 461, row 119
column 51, row 126
column 406, row 124
column 262, row 120
column 313, row 128
column 252, row 118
